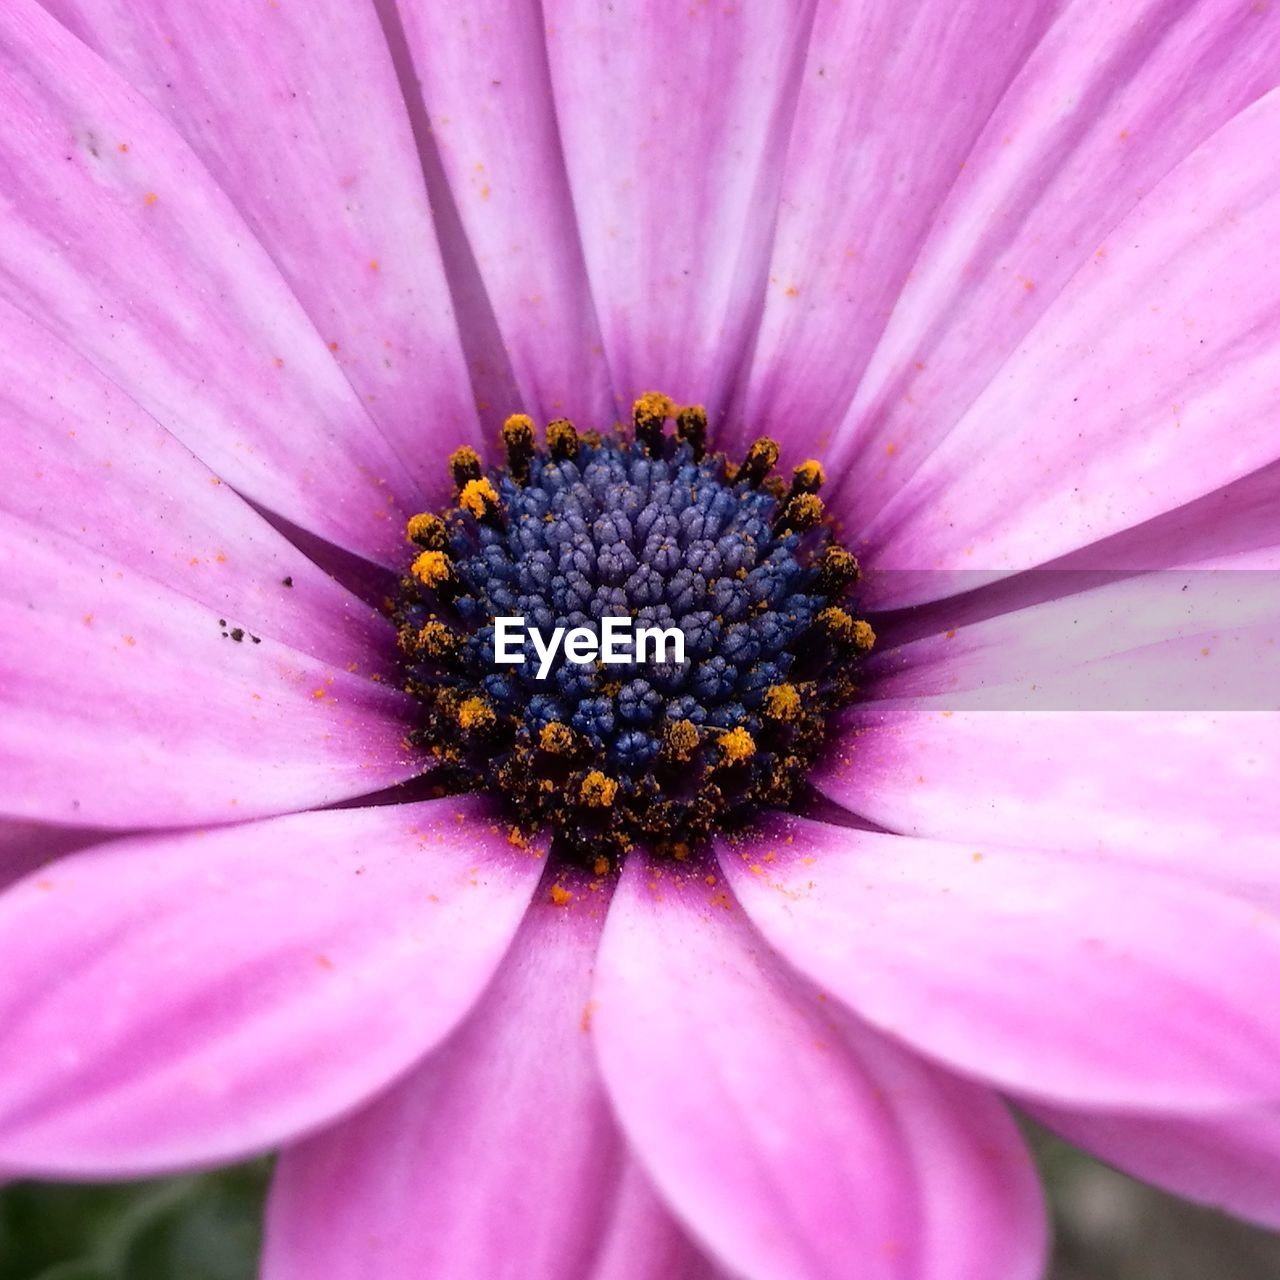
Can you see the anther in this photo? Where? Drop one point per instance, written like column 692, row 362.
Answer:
column 837, row 623
column 782, row 702
column 736, row 746
column 808, row 477
column 518, row 441
column 681, row 739
column 649, row 415
column 864, row 638
column 802, row 512
column 475, row 715
column 562, row 439
column 598, row 790
column 464, row 464
column 436, row 641
column 427, row 531
column 691, row 427
column 760, row 460
column 431, row 569
column 556, row 738
column 479, row 498
column 836, row 570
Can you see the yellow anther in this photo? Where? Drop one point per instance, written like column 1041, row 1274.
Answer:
column 838, row 623
column 782, row 702
column 431, row 568
column 808, row 477
column 478, row 497
column 562, row 438
column 802, row 512
column 760, row 460
column 737, row 745
column 475, row 715
column 691, row 427
column 427, row 531
column 436, row 640
column 648, row 415
column 518, row 441
column 836, row 570
column 864, row 638
column 598, row 790
column 556, row 738
column 464, row 463
column 682, row 739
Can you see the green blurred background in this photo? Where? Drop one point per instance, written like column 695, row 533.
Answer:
column 209, row 1227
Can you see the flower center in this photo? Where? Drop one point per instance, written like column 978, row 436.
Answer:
column 650, row 531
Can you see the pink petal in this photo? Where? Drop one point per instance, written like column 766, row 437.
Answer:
column 86, row 462
column 1060, row 976
column 1230, row 1161
column 125, row 703
column 484, row 80
column 192, row 998
column 320, row 177
column 874, row 149
column 674, row 121
column 499, row 1148
column 792, row 1139
column 141, row 263
column 1145, row 385
column 1188, row 790
column 27, row 846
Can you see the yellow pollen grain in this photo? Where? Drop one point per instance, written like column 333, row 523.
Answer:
column 517, row 431
column 427, row 529
column 682, row 738
column 601, row 866
column 477, row 497
column 782, row 702
column 653, row 404
column 737, row 745
column 598, row 791
column 838, row 623
column 431, row 568
column 810, row 475
column 864, row 638
column 560, row 896
column 556, row 738
column 475, row 714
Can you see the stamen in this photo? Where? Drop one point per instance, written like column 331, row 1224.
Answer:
column 562, row 439
column 649, row 415
column 761, row 458
column 691, row 427
column 464, row 464
column 480, row 499
column 518, row 440
column 427, row 531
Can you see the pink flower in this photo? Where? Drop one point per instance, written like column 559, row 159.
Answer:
column 1007, row 269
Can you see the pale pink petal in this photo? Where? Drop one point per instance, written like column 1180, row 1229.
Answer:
column 125, row 703
column 192, row 998
column 486, row 85
column 791, row 1139
column 497, row 1155
column 1230, row 1161
column 297, row 114
column 1184, row 790
column 1060, row 976
column 876, row 144
column 119, row 240
column 674, row 121
column 85, row 461
column 1162, row 641
column 1145, row 385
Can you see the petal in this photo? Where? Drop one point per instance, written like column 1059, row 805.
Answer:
column 1061, row 976
column 193, row 998
column 484, row 79
column 140, row 263
column 319, row 177
column 676, row 203
column 26, row 846
column 1183, row 790
column 1231, row 1161
column 88, row 463
column 498, row 1147
column 124, row 703
column 1073, row 161
column 1145, row 385
column 793, row 1140
column 874, row 149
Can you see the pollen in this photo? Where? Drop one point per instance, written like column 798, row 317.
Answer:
column 431, row 568
column 475, row 715
column 864, row 638
column 737, row 745
column 427, row 531
column 598, row 791
column 465, row 465
column 556, row 738
column 479, row 498
column 782, row 702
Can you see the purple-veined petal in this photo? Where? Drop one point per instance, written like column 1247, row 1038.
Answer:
column 674, row 121
column 124, row 703
column 1090, row 129
column 1062, row 977
column 497, row 1156
column 1145, row 385
column 328, row 181
column 118, row 239
column 485, row 82
column 1188, row 791
column 192, row 998
column 892, row 100
column 85, row 461
column 792, row 1139
column 1230, row 1161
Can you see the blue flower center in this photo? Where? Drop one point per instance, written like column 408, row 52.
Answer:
column 651, row 531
